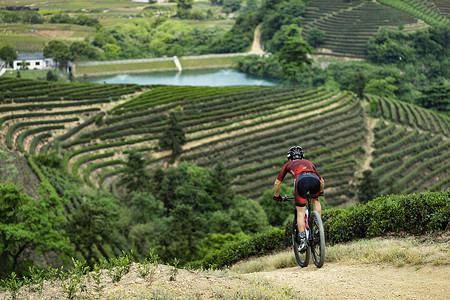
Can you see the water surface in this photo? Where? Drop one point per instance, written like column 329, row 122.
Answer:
column 222, row 77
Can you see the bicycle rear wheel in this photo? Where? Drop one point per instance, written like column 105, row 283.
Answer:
column 302, row 258
column 318, row 240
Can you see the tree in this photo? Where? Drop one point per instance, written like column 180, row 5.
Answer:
column 277, row 213
column 28, row 226
column 183, row 8
column 315, row 36
column 180, row 235
column 222, row 191
column 58, row 50
column 145, row 208
column 360, row 84
column 8, row 54
column 382, row 87
column 251, row 5
column 51, row 77
column 82, row 50
column 173, row 137
column 436, row 96
column 293, row 56
column 94, row 221
column 230, row 6
column 250, row 216
column 135, row 176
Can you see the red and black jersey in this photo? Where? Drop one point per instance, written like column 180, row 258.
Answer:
column 296, row 167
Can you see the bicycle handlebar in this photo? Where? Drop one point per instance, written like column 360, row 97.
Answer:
column 287, row 198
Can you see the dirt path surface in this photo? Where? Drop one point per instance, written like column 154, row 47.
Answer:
column 344, row 281
column 256, row 45
column 332, row 281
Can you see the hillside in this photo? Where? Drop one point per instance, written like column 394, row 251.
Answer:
column 348, row 25
column 249, row 129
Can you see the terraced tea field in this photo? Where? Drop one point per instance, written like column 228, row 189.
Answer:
column 94, row 127
column 348, row 25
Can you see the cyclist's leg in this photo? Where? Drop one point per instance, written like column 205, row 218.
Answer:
column 300, row 204
column 317, row 206
column 300, row 216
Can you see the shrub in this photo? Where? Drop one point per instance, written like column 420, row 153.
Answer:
column 257, row 245
column 414, row 213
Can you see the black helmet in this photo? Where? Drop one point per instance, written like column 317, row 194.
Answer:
column 295, row 152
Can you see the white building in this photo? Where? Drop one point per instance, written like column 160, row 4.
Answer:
column 35, row 61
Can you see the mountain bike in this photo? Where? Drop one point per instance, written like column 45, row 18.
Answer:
column 315, row 236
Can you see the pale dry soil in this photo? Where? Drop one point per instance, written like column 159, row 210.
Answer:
column 333, row 281
column 366, row 281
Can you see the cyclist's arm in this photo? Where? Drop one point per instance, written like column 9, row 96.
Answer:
column 276, row 188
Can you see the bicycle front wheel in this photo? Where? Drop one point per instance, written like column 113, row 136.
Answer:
column 318, row 240
column 301, row 257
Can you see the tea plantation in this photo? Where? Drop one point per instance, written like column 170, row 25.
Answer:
column 94, row 127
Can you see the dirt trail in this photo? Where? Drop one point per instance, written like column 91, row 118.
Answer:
column 332, row 281
column 362, row 281
column 256, row 45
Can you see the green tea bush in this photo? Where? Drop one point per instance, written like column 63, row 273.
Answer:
column 259, row 244
column 414, row 213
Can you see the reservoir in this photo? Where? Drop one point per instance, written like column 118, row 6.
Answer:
column 218, row 77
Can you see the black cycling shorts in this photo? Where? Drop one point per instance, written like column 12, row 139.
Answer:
column 306, row 182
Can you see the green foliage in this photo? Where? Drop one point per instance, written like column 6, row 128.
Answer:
column 119, row 266
column 73, row 282
column 183, row 7
column 415, row 213
column 250, row 216
column 8, row 54
column 261, row 66
column 9, row 170
column 95, row 220
column 277, row 14
column 25, row 16
column 257, row 245
column 230, row 6
column 28, row 225
column 277, row 213
column 293, row 55
column 315, row 36
column 217, row 241
column 12, row 284
column 79, row 20
column 382, row 87
column 173, row 137
column 179, row 235
column 222, row 191
column 436, row 96
column 135, row 176
column 240, row 36
column 50, row 76
column 367, row 187
column 58, row 50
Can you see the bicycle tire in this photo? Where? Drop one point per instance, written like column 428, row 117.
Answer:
column 302, row 258
column 318, row 240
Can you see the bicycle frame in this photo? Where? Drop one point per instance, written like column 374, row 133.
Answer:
column 315, row 236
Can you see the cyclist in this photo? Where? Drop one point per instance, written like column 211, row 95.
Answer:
column 306, row 179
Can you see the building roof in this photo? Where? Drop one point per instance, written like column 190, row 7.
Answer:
column 30, row 56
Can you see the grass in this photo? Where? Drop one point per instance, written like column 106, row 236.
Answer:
column 123, row 68
column 206, row 63
column 398, row 252
column 28, row 74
